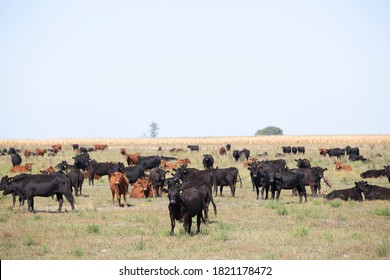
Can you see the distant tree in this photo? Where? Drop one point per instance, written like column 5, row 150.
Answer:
column 154, row 130
column 269, row 130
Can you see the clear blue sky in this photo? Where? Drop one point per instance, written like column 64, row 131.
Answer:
column 196, row 68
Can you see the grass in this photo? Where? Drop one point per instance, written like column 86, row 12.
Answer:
column 245, row 228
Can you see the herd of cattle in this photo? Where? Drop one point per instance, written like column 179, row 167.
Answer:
column 190, row 191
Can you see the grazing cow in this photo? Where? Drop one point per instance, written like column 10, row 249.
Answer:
column 336, row 152
column 294, row 150
column 193, row 148
column 236, row 155
column 289, row 180
column 373, row 173
column 156, row 179
column 29, row 186
column 228, row 147
column 16, row 159
column 76, row 181
column 82, row 161
column 352, row 151
column 183, row 205
column 40, row 152
column 21, row 168
column 208, row 161
column 286, row 149
column 227, row 177
column 311, row 177
column 372, row 192
column 301, row 150
column 303, row 163
column 149, row 162
column 100, row 147
column 11, row 151
column 142, row 189
column 102, row 169
column 222, row 151
column 119, row 185
column 245, row 153
column 132, row 159
column 345, row 194
column 122, row 151
column 341, row 167
column 57, row 147
column 323, row 152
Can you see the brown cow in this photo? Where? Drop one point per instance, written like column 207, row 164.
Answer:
column 341, row 167
column 122, row 151
column 57, row 147
column 27, row 153
column 142, row 189
column 167, row 165
column 119, row 185
column 222, row 151
column 86, row 174
column 21, row 168
column 48, row 170
column 183, row 161
column 40, row 152
column 100, row 147
column 132, row 158
column 323, row 152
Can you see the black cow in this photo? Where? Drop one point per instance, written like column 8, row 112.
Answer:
column 352, row 151
column 301, row 150
column 75, row 147
column 345, row 194
column 76, row 180
column 294, row 150
column 303, row 163
column 311, row 177
column 289, row 180
column 102, row 168
column 336, row 152
column 236, row 155
column 16, row 159
column 228, row 146
column 133, row 173
column 373, row 173
column 286, row 149
column 149, row 162
column 157, row 178
column 227, row 177
column 353, row 157
column 245, row 153
column 64, row 166
column 14, row 194
column 208, row 161
column 27, row 187
column 185, row 204
column 81, row 161
column 193, row 148
column 372, row 192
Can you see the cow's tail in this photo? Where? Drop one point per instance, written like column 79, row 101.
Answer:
column 326, row 182
column 215, row 207
column 240, row 179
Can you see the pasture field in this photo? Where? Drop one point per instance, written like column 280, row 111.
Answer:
column 245, row 228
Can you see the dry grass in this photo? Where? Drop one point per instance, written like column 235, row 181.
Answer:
column 245, row 228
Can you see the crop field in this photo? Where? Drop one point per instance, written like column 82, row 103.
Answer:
column 244, row 228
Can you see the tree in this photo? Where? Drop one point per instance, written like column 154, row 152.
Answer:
column 153, row 130
column 269, row 130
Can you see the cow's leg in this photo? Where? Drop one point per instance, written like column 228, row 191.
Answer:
column 60, row 202
column 113, row 197
column 173, row 223
column 258, row 192
column 30, row 204
column 118, row 198
column 70, row 198
column 198, row 221
column 278, row 194
column 220, row 190
column 233, row 189
column 188, row 224
column 124, row 199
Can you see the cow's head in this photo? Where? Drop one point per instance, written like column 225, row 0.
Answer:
column 174, row 194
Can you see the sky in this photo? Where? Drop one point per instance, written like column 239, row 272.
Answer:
column 108, row 69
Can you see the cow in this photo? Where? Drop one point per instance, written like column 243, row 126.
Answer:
column 294, row 150
column 132, row 159
column 236, row 155
column 27, row 153
column 156, row 179
column 48, row 170
column 14, row 194
column 323, row 152
column 336, row 152
column 222, row 151
column 133, row 173
column 227, row 177
column 193, row 148
column 374, row 173
column 185, row 204
column 102, row 169
column 311, row 177
column 303, row 163
column 168, row 165
column 64, row 166
column 75, row 147
column 122, row 151
column 21, row 168
column 228, row 147
column 352, row 151
column 183, row 161
column 387, row 168
column 57, row 147
column 286, row 149
column 301, row 150
column 353, row 157
column 27, row 187
column 40, row 152
column 345, row 194
column 149, row 162
column 142, row 189
column 76, row 181
column 372, row 192
column 81, row 161
column 245, row 153
column 100, row 147
column 16, row 159
column 119, row 185
column 341, row 167
column 208, row 161
column 289, row 180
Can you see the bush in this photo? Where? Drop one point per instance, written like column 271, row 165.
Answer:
column 269, row 130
